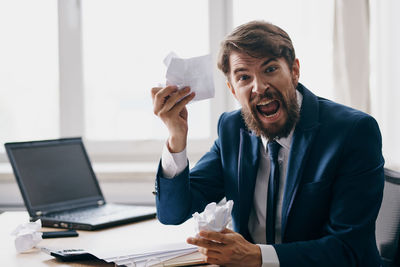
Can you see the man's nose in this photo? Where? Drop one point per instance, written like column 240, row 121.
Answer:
column 260, row 86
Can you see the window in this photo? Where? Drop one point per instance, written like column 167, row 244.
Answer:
column 124, row 44
column 28, row 70
column 114, row 51
column 384, row 70
column 85, row 67
column 309, row 24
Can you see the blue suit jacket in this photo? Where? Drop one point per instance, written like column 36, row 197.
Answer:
column 333, row 189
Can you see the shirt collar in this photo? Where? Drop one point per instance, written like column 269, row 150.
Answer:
column 286, row 141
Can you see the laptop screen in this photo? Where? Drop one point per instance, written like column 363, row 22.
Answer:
column 54, row 172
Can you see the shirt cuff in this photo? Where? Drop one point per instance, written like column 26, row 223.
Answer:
column 173, row 164
column 269, row 256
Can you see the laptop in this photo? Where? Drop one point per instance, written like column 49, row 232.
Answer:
column 58, row 185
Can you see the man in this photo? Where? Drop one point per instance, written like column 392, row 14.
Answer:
column 305, row 173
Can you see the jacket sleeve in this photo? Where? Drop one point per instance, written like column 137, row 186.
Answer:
column 190, row 191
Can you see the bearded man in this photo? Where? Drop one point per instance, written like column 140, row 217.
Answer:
column 305, row 173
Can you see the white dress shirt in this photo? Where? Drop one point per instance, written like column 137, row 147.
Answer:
column 174, row 163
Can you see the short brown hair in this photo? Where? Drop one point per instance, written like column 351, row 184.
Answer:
column 257, row 39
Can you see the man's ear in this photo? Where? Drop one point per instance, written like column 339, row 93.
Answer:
column 296, row 70
column 231, row 88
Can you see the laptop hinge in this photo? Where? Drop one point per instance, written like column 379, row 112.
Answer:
column 100, row 202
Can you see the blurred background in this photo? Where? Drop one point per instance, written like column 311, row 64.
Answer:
column 86, row 67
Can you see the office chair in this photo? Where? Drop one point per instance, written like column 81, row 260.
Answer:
column 388, row 221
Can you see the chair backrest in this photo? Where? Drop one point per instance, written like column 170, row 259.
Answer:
column 388, row 221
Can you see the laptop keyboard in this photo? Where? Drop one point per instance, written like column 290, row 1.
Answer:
column 92, row 212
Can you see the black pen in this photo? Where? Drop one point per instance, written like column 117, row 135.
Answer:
column 66, row 233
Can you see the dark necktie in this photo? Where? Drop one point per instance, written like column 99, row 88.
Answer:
column 273, row 188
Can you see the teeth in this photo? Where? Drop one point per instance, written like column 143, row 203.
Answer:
column 268, row 116
column 265, row 102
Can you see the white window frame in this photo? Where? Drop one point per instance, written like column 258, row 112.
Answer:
column 72, row 88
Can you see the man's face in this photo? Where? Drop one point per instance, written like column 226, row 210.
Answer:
column 266, row 90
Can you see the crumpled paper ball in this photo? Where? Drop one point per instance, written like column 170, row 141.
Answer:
column 214, row 217
column 27, row 235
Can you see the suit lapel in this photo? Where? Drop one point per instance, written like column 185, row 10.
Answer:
column 247, row 173
column 302, row 140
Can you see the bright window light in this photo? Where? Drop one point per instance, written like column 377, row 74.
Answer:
column 28, row 70
column 124, row 44
column 309, row 24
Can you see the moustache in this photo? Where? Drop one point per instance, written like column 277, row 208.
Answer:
column 268, row 95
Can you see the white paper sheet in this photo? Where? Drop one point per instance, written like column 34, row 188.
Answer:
column 194, row 72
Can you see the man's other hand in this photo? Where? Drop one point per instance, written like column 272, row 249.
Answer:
column 169, row 104
column 227, row 248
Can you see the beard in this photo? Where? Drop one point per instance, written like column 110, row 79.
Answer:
column 290, row 106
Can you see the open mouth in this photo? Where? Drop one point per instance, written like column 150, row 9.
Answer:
column 269, row 108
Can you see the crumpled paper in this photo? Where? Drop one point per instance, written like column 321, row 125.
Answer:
column 27, row 235
column 214, row 217
column 194, row 72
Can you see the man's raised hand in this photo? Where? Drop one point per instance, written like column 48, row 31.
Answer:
column 169, row 104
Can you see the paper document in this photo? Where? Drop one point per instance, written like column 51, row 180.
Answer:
column 176, row 255
column 184, row 260
column 172, row 258
column 141, row 257
column 194, row 72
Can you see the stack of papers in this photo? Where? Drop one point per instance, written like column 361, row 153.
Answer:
column 178, row 254
column 191, row 259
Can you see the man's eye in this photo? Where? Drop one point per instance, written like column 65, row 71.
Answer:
column 244, row 77
column 270, row 69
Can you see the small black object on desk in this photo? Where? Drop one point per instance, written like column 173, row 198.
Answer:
column 66, row 233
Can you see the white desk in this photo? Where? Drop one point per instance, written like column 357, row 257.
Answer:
column 145, row 233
